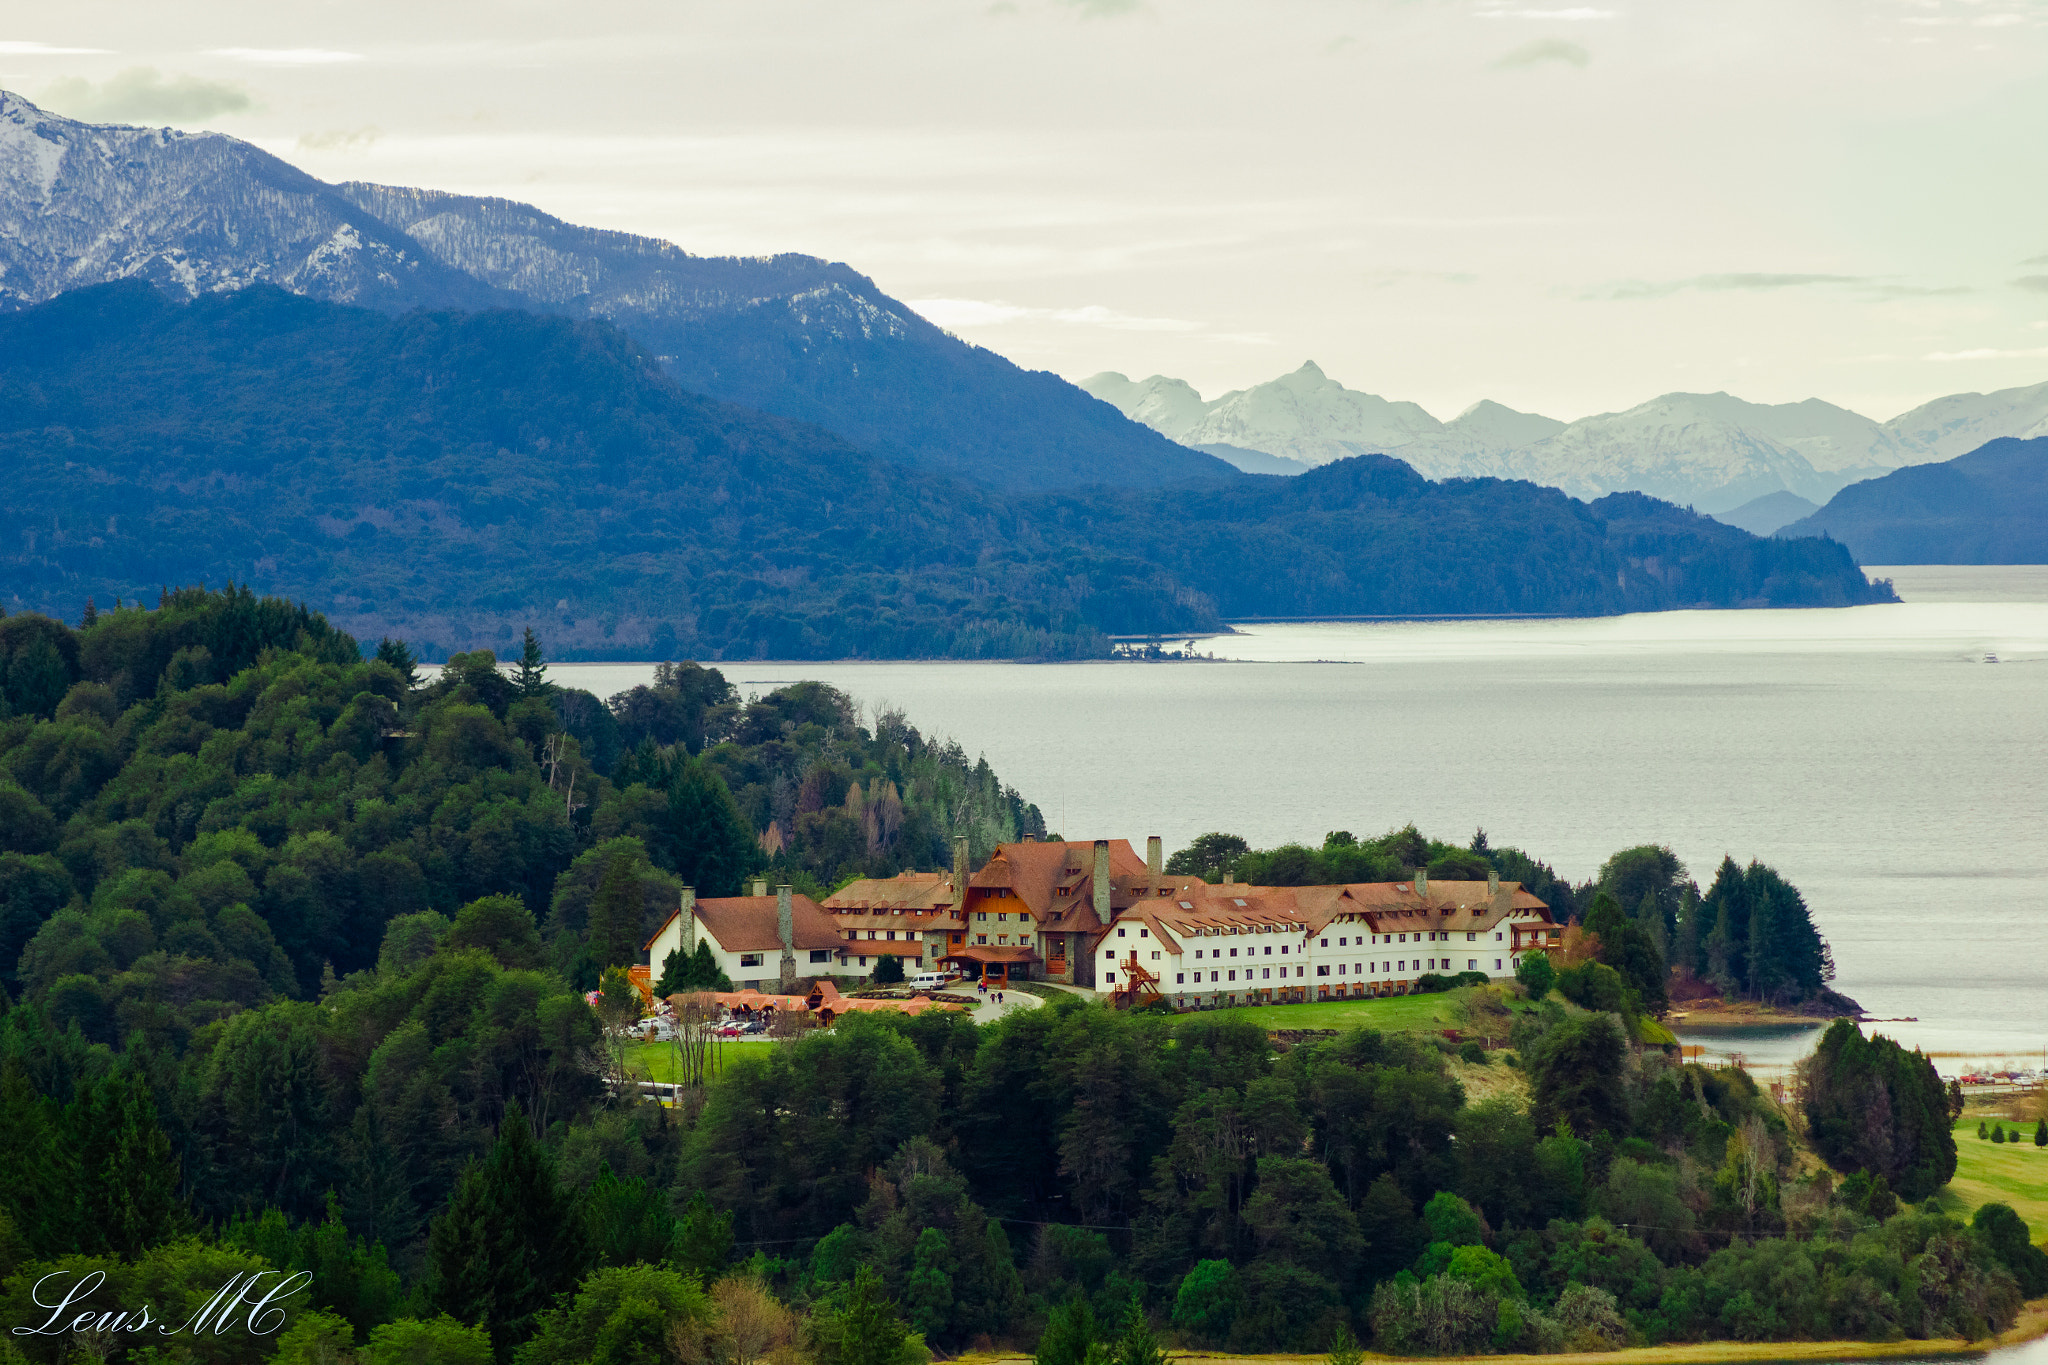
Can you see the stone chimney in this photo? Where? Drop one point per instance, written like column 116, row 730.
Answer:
column 785, row 929
column 1102, row 880
column 1155, row 857
column 1229, row 878
column 760, row 887
column 1422, row 881
column 1498, row 898
column 959, row 874
column 688, row 911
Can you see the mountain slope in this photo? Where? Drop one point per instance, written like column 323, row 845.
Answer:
column 1761, row 516
column 84, row 203
column 799, row 337
column 1961, row 422
column 453, row 477
column 1987, row 507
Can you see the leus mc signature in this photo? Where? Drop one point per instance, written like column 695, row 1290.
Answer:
column 219, row 1315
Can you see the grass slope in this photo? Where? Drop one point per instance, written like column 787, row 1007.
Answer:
column 1987, row 1172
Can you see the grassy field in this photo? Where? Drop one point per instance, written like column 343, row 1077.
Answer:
column 657, row 1061
column 1390, row 1014
column 2014, row 1173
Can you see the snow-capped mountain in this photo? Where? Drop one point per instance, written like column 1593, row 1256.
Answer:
column 1709, row 450
column 1959, row 423
column 84, row 203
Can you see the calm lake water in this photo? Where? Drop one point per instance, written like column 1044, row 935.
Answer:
column 1871, row 754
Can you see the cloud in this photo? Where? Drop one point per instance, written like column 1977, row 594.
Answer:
column 954, row 313
column 1989, row 353
column 1660, row 289
column 340, row 139
column 285, row 56
column 1541, row 51
column 2035, row 260
column 2037, row 283
column 142, row 92
column 1577, row 14
column 46, row 50
column 1915, row 291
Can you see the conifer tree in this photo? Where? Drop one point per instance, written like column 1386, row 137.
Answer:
column 711, row 846
column 509, row 1241
column 1137, row 1345
column 532, row 675
column 615, row 914
column 128, row 1197
column 401, row 658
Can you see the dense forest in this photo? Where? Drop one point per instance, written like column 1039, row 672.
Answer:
column 297, row 945
column 540, row 470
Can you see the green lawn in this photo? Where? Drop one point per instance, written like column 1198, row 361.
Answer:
column 2014, row 1173
column 1389, row 1014
column 657, row 1061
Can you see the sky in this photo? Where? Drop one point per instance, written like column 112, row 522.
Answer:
column 1566, row 207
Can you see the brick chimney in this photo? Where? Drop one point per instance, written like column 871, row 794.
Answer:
column 1155, row 857
column 785, row 929
column 1102, row 880
column 688, row 911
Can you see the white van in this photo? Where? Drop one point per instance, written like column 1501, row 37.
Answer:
column 928, row 981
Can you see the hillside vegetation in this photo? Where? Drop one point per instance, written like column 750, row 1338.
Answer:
column 450, row 478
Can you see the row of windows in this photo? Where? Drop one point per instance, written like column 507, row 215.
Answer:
column 1471, row 965
column 1264, row 974
column 1432, row 937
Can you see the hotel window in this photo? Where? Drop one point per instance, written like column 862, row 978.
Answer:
column 750, row 959
column 1496, row 964
column 1233, row 976
column 1269, row 950
column 1109, row 976
column 1471, row 938
column 981, row 915
column 1471, row 964
column 1002, row 915
column 1155, row 954
column 1322, row 970
column 1325, row 943
column 1269, row 973
column 1003, row 940
column 1283, row 950
column 1496, row 938
column 1343, row 942
column 1233, row 952
column 1198, row 952
column 821, row 954
column 863, row 962
column 1180, row 978
column 1109, row 954
column 1402, row 965
column 1214, row 975
column 1143, row 932
column 981, row 938
column 1119, row 932
column 1300, row 971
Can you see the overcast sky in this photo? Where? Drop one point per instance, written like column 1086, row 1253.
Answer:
column 1567, row 207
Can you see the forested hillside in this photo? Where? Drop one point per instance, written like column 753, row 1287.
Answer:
column 297, row 942
column 451, row 478
column 1987, row 507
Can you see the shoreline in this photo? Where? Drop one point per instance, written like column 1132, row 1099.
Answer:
column 1747, row 1014
column 2031, row 1325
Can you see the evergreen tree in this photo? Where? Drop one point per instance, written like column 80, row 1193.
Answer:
column 889, row 970
column 1070, row 1336
column 1726, row 907
column 616, row 913
column 705, row 973
column 710, row 844
column 1650, row 919
column 704, row 1240
column 868, row 1330
column 128, row 1177
column 1137, row 1345
column 673, row 978
column 509, row 1241
column 1689, row 947
column 531, row 678
column 1787, row 958
column 2041, row 1133
column 1873, row 1106
column 929, row 1293
column 401, row 658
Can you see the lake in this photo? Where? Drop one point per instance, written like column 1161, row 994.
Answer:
column 1871, row 754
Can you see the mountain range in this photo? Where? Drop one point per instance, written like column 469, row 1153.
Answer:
column 790, row 335
column 451, row 476
column 1712, row 451
column 1989, row 506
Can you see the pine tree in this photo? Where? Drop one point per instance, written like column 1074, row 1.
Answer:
column 929, row 1293
column 674, row 975
column 2041, row 1133
column 509, row 1241
column 1137, row 1345
column 1726, row 907
column 869, row 1331
column 705, row 973
column 401, row 658
column 615, row 914
column 710, row 844
column 532, row 675
column 91, row 616
column 128, row 1176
